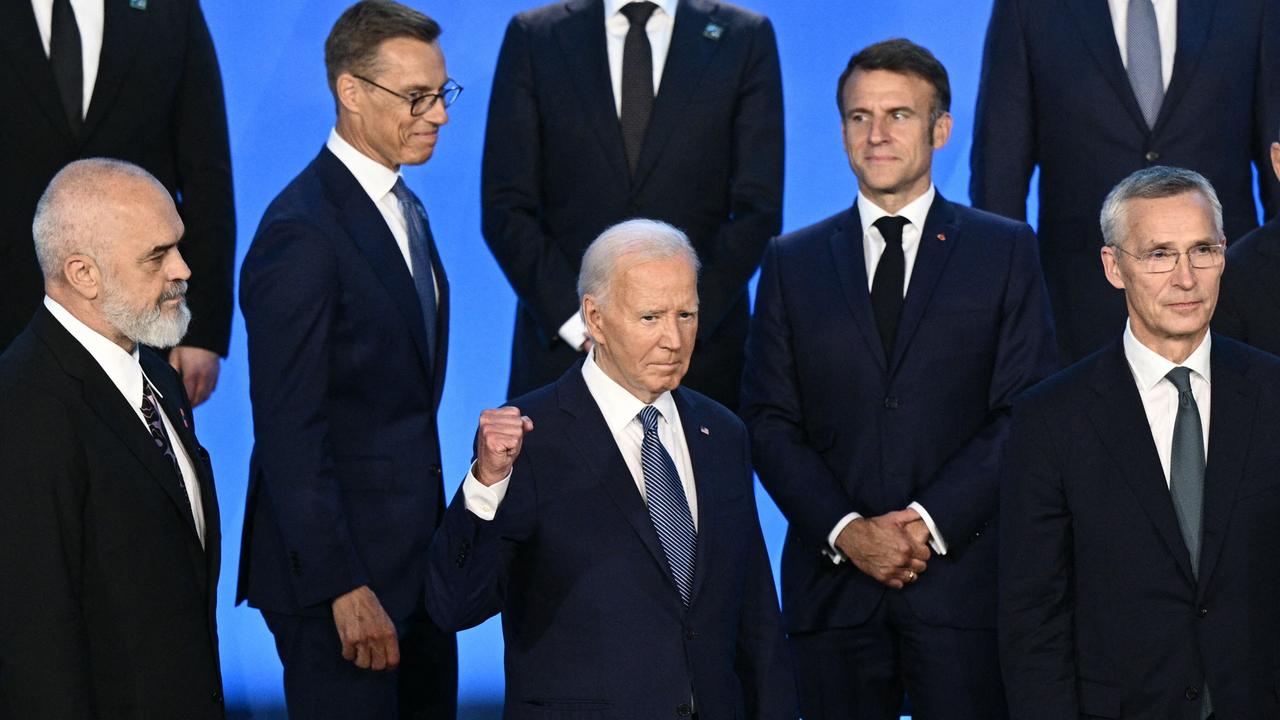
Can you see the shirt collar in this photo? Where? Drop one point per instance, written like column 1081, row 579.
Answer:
column 915, row 211
column 122, row 367
column 617, row 404
column 376, row 179
column 1150, row 367
column 611, row 7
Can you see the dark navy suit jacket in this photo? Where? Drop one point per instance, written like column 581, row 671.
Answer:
column 555, row 171
column 837, row 427
column 1249, row 303
column 592, row 619
column 344, row 486
column 1054, row 95
column 1100, row 615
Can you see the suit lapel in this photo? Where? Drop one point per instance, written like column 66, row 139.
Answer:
column 20, row 42
column 370, row 234
column 1194, row 18
column 1121, row 422
column 123, row 29
column 442, row 320
column 1093, row 18
column 582, row 45
column 687, row 60
column 1232, row 411
column 705, row 479
column 937, row 239
column 851, row 270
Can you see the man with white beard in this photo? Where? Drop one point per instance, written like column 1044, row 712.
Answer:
column 109, row 532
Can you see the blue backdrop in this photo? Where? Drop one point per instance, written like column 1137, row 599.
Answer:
column 280, row 113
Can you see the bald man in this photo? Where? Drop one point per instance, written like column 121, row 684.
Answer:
column 107, row 509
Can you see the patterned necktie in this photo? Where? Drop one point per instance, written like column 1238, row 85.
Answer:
column 415, row 218
column 668, row 506
column 65, row 58
column 886, row 286
column 637, row 80
column 1142, row 42
column 155, row 424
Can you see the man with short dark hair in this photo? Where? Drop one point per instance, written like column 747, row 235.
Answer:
column 887, row 345
column 109, row 533
column 1249, row 304
column 610, row 518
column 346, row 308
column 1138, row 513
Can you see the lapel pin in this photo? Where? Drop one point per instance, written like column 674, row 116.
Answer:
column 942, row 237
column 703, row 429
column 712, row 31
column 181, row 411
column 138, row 4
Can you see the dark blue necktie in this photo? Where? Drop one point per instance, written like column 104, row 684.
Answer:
column 668, row 506
column 415, row 218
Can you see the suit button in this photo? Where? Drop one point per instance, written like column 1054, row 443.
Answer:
column 216, row 697
column 1192, row 693
column 683, row 710
column 1152, row 156
column 690, row 633
column 891, row 403
column 435, row 470
column 1202, row 612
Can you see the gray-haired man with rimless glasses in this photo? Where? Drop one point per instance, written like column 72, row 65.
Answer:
column 346, row 307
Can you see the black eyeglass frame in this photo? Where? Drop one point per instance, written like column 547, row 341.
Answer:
column 448, row 94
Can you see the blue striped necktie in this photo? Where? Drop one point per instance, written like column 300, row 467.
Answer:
column 415, row 219
column 668, row 507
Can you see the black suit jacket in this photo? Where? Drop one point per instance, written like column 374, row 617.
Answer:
column 108, row 604
column 1054, row 95
column 345, row 482
column 1249, row 302
column 555, row 171
column 592, row 620
column 1100, row 615
column 157, row 103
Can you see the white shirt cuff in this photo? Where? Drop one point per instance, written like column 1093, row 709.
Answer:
column 483, row 500
column 574, row 331
column 834, row 554
column 935, row 538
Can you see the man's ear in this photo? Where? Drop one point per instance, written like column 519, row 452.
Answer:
column 1111, row 266
column 347, row 88
column 83, row 275
column 591, row 316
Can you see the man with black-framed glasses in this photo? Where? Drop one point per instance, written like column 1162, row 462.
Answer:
column 1138, row 512
column 346, row 308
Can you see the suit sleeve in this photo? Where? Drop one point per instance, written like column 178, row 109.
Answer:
column 755, row 186
column 809, row 495
column 1004, row 153
column 43, row 639
column 1036, row 607
column 962, row 497
column 543, row 277
column 289, row 289
column 203, row 162
column 1267, row 109
column 1229, row 317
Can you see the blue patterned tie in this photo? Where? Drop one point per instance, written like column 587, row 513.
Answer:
column 1142, row 39
column 668, row 507
column 415, row 217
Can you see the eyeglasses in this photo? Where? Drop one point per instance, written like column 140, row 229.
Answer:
column 1163, row 260
column 420, row 104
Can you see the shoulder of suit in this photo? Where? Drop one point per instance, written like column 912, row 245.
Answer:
column 976, row 220
column 708, row 411
column 1065, row 387
column 1263, row 240
column 32, row 378
column 818, row 232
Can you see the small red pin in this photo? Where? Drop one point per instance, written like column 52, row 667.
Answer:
column 703, row 429
column 183, row 413
column 942, row 236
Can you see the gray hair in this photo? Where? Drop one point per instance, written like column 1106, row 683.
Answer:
column 68, row 213
column 1153, row 183
column 640, row 240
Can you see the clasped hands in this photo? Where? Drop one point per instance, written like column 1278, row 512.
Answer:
column 892, row 548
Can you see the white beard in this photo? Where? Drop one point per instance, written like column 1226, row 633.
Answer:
column 154, row 326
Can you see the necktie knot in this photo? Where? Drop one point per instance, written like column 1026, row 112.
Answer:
column 1181, row 379
column 649, row 418
column 638, row 12
column 403, row 193
column 890, row 227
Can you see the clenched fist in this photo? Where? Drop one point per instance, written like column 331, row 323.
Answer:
column 498, row 443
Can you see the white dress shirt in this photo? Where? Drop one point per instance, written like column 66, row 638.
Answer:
column 620, row 409
column 1160, row 397
column 873, row 245
column 126, row 374
column 90, row 18
column 378, row 180
column 661, row 22
column 1166, row 26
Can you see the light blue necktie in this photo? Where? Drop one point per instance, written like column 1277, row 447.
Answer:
column 415, row 218
column 668, row 507
column 1142, row 39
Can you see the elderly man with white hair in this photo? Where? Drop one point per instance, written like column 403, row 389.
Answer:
column 619, row 539
column 109, row 541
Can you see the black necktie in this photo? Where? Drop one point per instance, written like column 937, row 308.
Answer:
column 886, row 287
column 155, row 425
column 64, row 56
column 637, row 80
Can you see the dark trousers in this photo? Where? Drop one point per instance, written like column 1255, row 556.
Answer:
column 861, row 673
column 319, row 684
